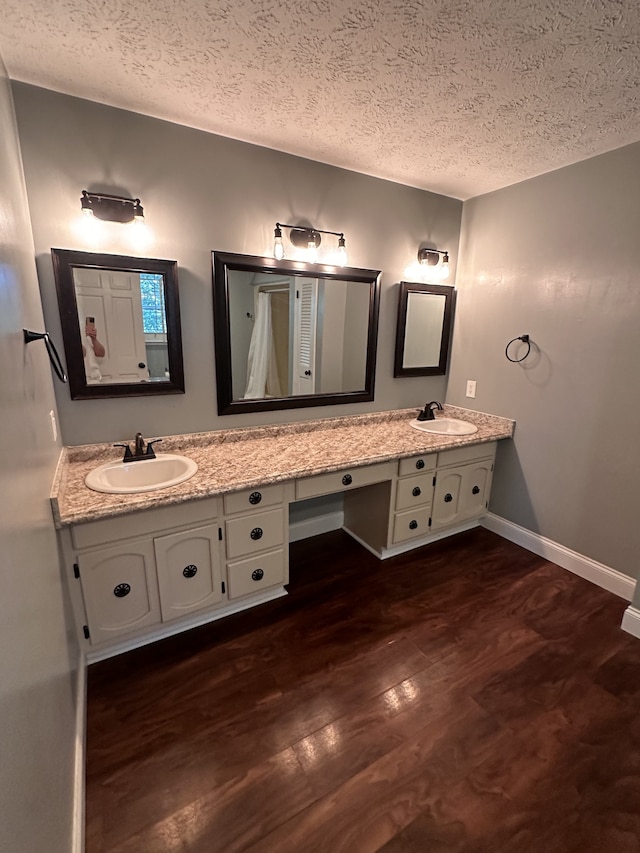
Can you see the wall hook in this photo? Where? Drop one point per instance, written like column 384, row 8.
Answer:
column 525, row 340
column 54, row 358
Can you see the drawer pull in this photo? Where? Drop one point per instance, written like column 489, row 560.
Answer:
column 448, row 498
column 347, row 480
column 255, row 498
column 420, row 464
column 121, row 590
column 413, row 524
column 256, row 533
column 416, row 492
column 257, row 574
column 190, row 571
column 475, row 490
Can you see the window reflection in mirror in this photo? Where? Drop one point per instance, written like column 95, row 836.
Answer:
column 291, row 334
column 121, row 324
column 425, row 313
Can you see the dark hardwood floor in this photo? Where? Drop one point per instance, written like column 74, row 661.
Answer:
column 468, row 696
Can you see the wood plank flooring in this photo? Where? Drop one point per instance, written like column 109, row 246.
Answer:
column 468, row 696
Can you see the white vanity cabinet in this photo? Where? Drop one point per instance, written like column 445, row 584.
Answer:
column 462, row 486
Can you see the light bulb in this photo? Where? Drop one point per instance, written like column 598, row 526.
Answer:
column 312, row 249
column 278, row 247
column 341, row 254
column 444, row 267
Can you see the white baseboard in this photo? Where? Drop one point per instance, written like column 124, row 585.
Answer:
column 80, row 756
column 603, row 576
column 316, row 525
column 631, row 621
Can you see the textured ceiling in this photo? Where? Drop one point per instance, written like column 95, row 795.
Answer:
column 455, row 96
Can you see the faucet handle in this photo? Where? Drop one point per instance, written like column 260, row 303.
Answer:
column 150, row 451
column 127, row 452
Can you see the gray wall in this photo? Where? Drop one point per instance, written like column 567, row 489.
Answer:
column 558, row 257
column 202, row 192
column 37, row 692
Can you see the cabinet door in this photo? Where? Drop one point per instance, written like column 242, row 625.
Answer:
column 474, row 490
column 446, row 498
column 189, row 575
column 119, row 589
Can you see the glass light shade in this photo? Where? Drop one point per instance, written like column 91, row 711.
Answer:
column 278, row 248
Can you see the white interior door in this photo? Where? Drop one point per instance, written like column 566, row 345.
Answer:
column 304, row 336
column 113, row 298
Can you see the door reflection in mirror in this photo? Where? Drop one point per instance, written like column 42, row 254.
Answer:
column 122, row 321
column 296, row 335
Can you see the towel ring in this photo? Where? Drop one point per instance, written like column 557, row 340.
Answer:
column 525, row 340
column 54, row 358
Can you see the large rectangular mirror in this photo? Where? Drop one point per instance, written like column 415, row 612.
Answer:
column 290, row 334
column 425, row 314
column 120, row 324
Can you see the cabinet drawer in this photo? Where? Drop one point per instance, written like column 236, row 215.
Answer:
column 250, row 499
column 340, row 481
column 255, row 573
column 460, row 455
column 414, row 491
column 257, row 531
column 415, row 464
column 411, row 523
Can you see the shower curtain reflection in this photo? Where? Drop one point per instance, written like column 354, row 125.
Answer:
column 267, row 364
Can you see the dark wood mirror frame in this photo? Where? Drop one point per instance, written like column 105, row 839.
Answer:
column 223, row 263
column 406, row 288
column 64, row 263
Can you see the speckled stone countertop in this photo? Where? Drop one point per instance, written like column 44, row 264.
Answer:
column 235, row 459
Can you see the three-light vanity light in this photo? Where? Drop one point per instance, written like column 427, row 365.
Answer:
column 308, row 239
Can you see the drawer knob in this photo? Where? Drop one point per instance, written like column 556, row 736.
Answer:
column 413, row 524
column 416, row 492
column 475, row 490
column 448, row 498
column 190, row 571
column 121, row 590
column 257, row 575
column 255, row 498
column 347, row 480
column 256, row 533
column 420, row 464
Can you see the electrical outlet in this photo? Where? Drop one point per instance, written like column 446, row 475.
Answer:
column 471, row 387
column 54, row 425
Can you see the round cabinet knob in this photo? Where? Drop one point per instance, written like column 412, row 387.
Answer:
column 475, row 490
column 256, row 533
column 448, row 498
column 141, row 364
column 190, row 571
column 416, row 492
column 257, row 575
column 255, row 498
column 413, row 525
column 347, row 480
column 420, row 464
column 121, row 590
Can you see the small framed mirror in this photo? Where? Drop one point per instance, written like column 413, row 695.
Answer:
column 120, row 324
column 425, row 316
column 290, row 334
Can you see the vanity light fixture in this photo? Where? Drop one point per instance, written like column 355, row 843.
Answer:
column 111, row 208
column 435, row 258
column 309, row 239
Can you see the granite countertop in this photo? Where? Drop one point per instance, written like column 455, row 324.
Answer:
column 235, row 459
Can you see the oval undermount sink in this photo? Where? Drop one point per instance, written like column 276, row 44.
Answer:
column 144, row 475
column 445, row 426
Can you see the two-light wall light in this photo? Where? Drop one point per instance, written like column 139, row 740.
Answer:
column 308, row 239
column 432, row 266
column 113, row 208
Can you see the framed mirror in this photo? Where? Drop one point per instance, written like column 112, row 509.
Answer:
column 290, row 334
column 425, row 316
column 120, row 324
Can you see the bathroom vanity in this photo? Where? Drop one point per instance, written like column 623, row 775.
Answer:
column 148, row 565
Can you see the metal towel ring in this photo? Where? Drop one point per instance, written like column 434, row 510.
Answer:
column 54, row 358
column 525, row 340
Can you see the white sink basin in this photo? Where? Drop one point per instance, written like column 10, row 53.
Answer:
column 445, row 426
column 145, row 475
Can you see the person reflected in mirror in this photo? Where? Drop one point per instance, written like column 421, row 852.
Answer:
column 92, row 349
